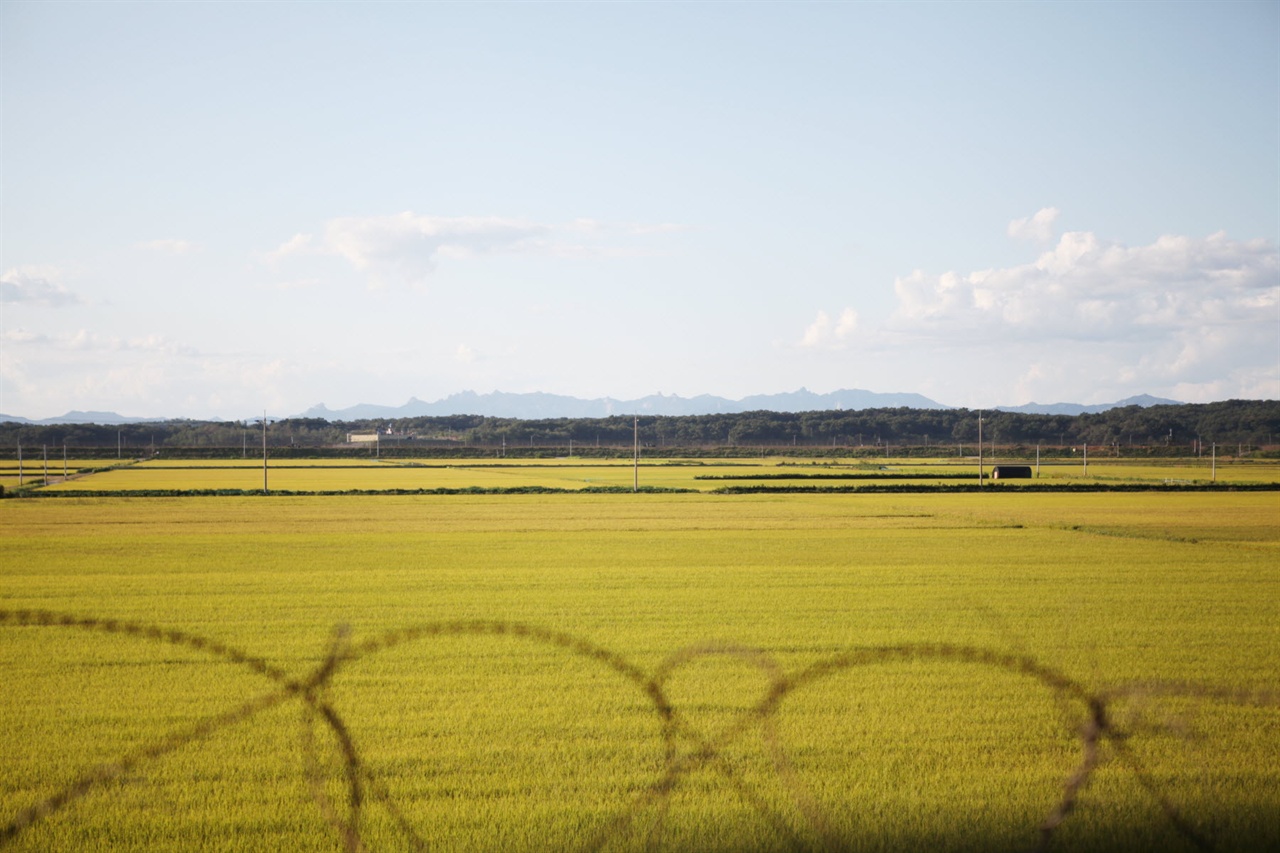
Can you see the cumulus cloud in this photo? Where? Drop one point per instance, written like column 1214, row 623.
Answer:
column 149, row 383
column 408, row 246
column 1177, row 313
column 35, row 286
column 824, row 333
column 1087, row 288
column 298, row 244
column 83, row 340
column 1037, row 227
column 22, row 336
column 85, row 369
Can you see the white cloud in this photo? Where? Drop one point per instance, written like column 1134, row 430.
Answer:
column 35, row 285
column 465, row 354
column 298, row 244
column 1251, row 383
column 82, row 369
column 1085, row 288
column 85, row 341
column 1037, row 227
column 823, row 333
column 406, row 246
column 1177, row 315
column 47, row 374
column 21, row 337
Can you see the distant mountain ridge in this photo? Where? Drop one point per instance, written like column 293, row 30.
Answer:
column 1143, row 400
column 77, row 417
column 539, row 405
column 533, row 406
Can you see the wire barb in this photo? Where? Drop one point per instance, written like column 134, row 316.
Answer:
column 699, row 751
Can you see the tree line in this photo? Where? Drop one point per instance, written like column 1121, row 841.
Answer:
column 1176, row 430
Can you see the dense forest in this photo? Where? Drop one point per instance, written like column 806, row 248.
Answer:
column 1234, row 425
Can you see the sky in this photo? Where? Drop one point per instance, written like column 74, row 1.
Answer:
column 212, row 210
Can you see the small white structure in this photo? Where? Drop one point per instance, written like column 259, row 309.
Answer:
column 377, row 435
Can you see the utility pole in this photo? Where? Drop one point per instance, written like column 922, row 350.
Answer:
column 980, row 448
column 635, row 480
column 264, row 453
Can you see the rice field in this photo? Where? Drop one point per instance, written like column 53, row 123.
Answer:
column 379, row 475
column 839, row 671
column 14, row 474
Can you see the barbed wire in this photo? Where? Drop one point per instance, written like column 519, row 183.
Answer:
column 1097, row 726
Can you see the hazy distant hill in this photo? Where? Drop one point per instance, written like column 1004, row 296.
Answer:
column 1143, row 400
column 538, row 405
column 535, row 406
column 75, row 417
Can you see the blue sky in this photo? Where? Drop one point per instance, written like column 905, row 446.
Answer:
column 212, row 209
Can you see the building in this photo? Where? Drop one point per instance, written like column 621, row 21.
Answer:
column 377, row 436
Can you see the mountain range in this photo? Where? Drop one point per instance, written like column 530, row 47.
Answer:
column 538, row 405
column 1143, row 400
column 77, row 417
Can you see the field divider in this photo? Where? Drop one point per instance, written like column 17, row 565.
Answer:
column 38, row 491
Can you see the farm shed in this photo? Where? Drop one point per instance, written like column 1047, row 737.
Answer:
column 1011, row 472
column 378, row 436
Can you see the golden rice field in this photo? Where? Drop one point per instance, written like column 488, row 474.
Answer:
column 621, row 672
column 13, row 475
column 376, row 475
